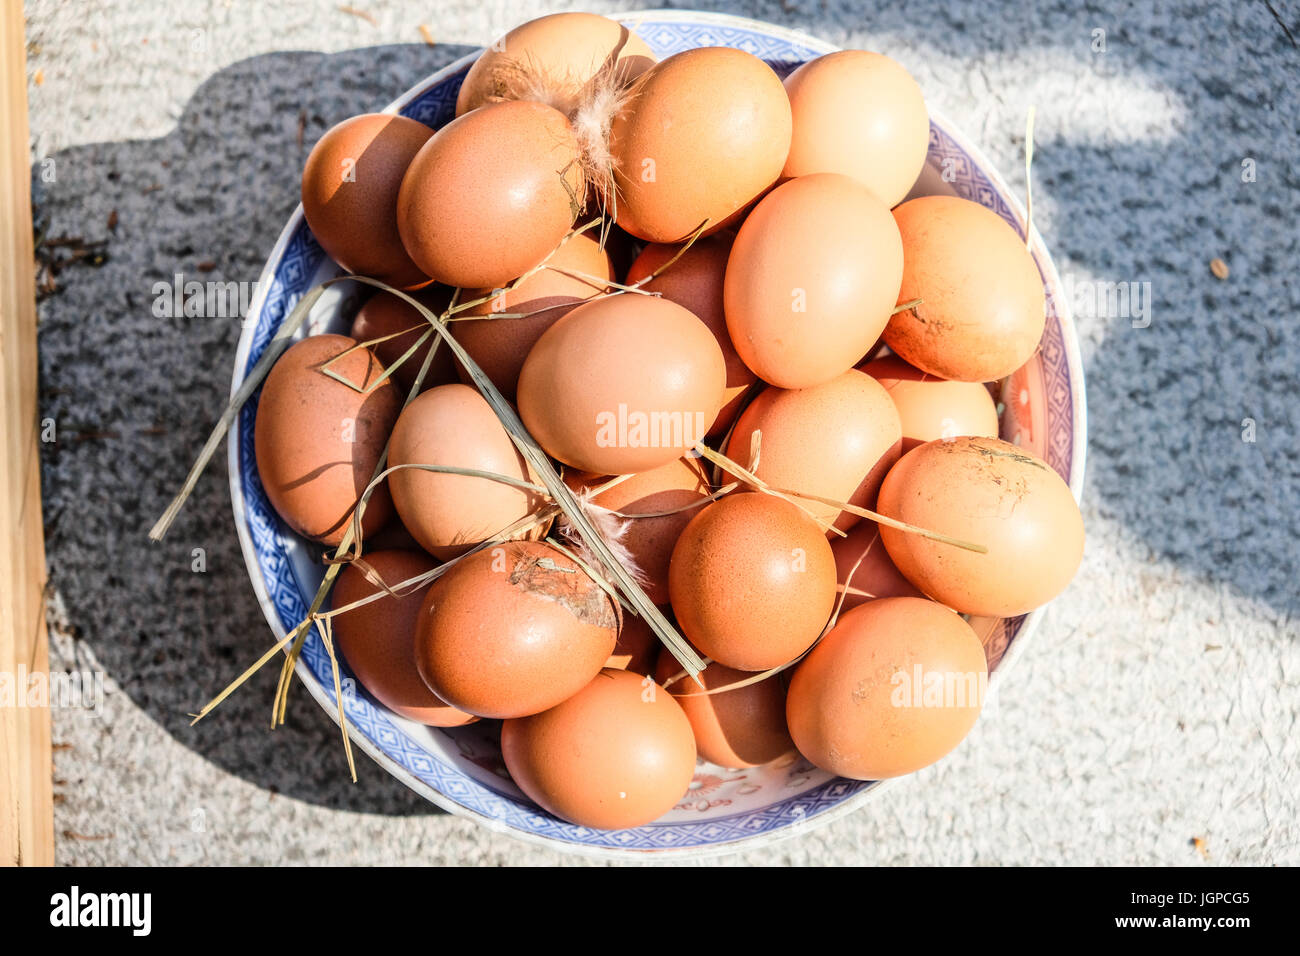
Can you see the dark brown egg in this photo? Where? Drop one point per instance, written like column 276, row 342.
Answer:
column 378, row 639
column 349, row 194
column 318, row 441
column 384, row 315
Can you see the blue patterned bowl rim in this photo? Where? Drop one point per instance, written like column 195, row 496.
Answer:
column 284, row 279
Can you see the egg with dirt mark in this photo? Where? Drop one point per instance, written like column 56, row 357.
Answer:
column 990, row 493
column 513, row 630
column 982, row 307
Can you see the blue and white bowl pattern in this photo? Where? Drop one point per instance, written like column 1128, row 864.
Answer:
column 460, row 770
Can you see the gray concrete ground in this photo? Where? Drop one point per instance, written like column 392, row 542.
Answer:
column 1157, row 704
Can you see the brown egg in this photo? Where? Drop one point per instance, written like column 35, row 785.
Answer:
column 384, row 315
column 512, row 630
column 836, row 440
column 694, row 282
column 620, row 753
column 637, row 647
column 983, row 308
column 703, row 134
column 447, row 513
column 318, row 441
column 490, row 194
column 650, row 541
column 930, row 407
column 378, row 639
column 885, row 143
column 622, row 384
column 742, row 727
column 349, row 194
column 895, row 686
column 500, row 345
column 812, row 279
column 987, row 492
column 752, row 581
column 862, row 563
column 559, row 54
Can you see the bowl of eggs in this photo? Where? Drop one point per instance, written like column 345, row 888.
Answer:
column 697, row 440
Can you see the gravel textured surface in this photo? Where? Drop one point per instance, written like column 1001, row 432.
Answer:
column 1157, row 703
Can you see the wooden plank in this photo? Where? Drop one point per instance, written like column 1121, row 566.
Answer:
column 26, row 804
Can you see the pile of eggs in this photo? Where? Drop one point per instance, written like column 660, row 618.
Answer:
column 757, row 284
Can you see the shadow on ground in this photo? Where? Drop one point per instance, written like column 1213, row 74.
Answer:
column 134, row 395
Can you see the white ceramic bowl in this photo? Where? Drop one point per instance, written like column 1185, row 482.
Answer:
column 461, row 770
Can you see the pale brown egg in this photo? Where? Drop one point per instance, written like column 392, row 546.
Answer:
column 860, row 114
column 622, row 385
column 991, row 493
column 378, row 639
column 835, row 440
column 703, row 134
column 318, row 441
column 812, row 278
column 512, row 630
column 694, row 282
column 619, row 753
column 752, row 581
column 448, row 513
column 349, row 194
column 386, row 315
column 650, row 540
column 863, row 566
column 737, row 728
column 554, row 57
column 491, row 194
column 931, row 407
column 895, row 686
column 982, row 309
column 578, row 270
